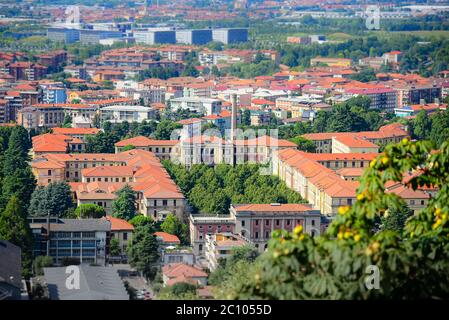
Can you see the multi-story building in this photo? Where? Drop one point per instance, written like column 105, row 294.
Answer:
column 3, row 110
column 353, row 144
column 389, row 133
column 27, row 71
column 119, row 114
column 381, row 98
column 202, row 225
column 257, row 221
column 56, row 143
column 65, row 35
column 78, row 133
column 41, row 116
column 206, row 106
column 88, row 36
column 213, row 150
column 95, row 178
column 200, row 90
column 197, row 36
column 229, row 36
column 76, row 71
column 54, row 94
column 85, row 240
column 146, row 36
column 163, row 149
column 220, row 246
column 319, row 180
column 121, row 230
column 52, row 59
column 248, row 224
column 14, row 102
column 417, row 94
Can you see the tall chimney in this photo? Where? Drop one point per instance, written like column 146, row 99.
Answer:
column 233, row 116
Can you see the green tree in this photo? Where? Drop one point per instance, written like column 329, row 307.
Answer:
column 215, row 71
column 140, row 220
column 89, row 210
column 128, row 147
column 246, row 117
column 395, row 218
column 15, row 229
column 41, row 262
column 55, row 198
column 143, row 251
column 18, row 178
column 165, row 128
column 421, row 125
column 67, row 121
column 124, row 206
column 440, row 128
column 190, row 71
column 102, row 142
column 179, row 291
column 364, row 75
column 304, row 144
column 173, row 225
column 246, row 254
column 114, row 247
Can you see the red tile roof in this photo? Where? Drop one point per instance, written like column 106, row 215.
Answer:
column 76, row 131
column 180, row 272
column 284, row 207
column 167, row 237
column 119, row 224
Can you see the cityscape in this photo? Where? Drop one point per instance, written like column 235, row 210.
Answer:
column 224, row 150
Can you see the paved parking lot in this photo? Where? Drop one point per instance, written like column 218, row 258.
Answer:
column 127, row 273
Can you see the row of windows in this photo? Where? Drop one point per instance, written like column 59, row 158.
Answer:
column 164, row 203
column 61, row 234
column 277, row 222
column 107, row 179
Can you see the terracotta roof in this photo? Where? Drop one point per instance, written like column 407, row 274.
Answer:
column 355, row 142
column 284, row 207
column 108, row 171
column 178, row 271
column 341, row 156
column 51, row 143
column 149, row 176
column 167, row 237
column 119, row 224
column 189, row 121
column 76, row 131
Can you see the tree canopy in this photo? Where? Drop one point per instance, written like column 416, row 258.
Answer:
column 173, row 225
column 212, row 190
column 143, row 250
column 89, row 210
column 124, row 206
column 56, row 199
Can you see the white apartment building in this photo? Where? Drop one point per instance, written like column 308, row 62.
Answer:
column 119, row 114
column 205, row 106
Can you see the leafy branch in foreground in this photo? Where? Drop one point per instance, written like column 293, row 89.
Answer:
column 412, row 264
